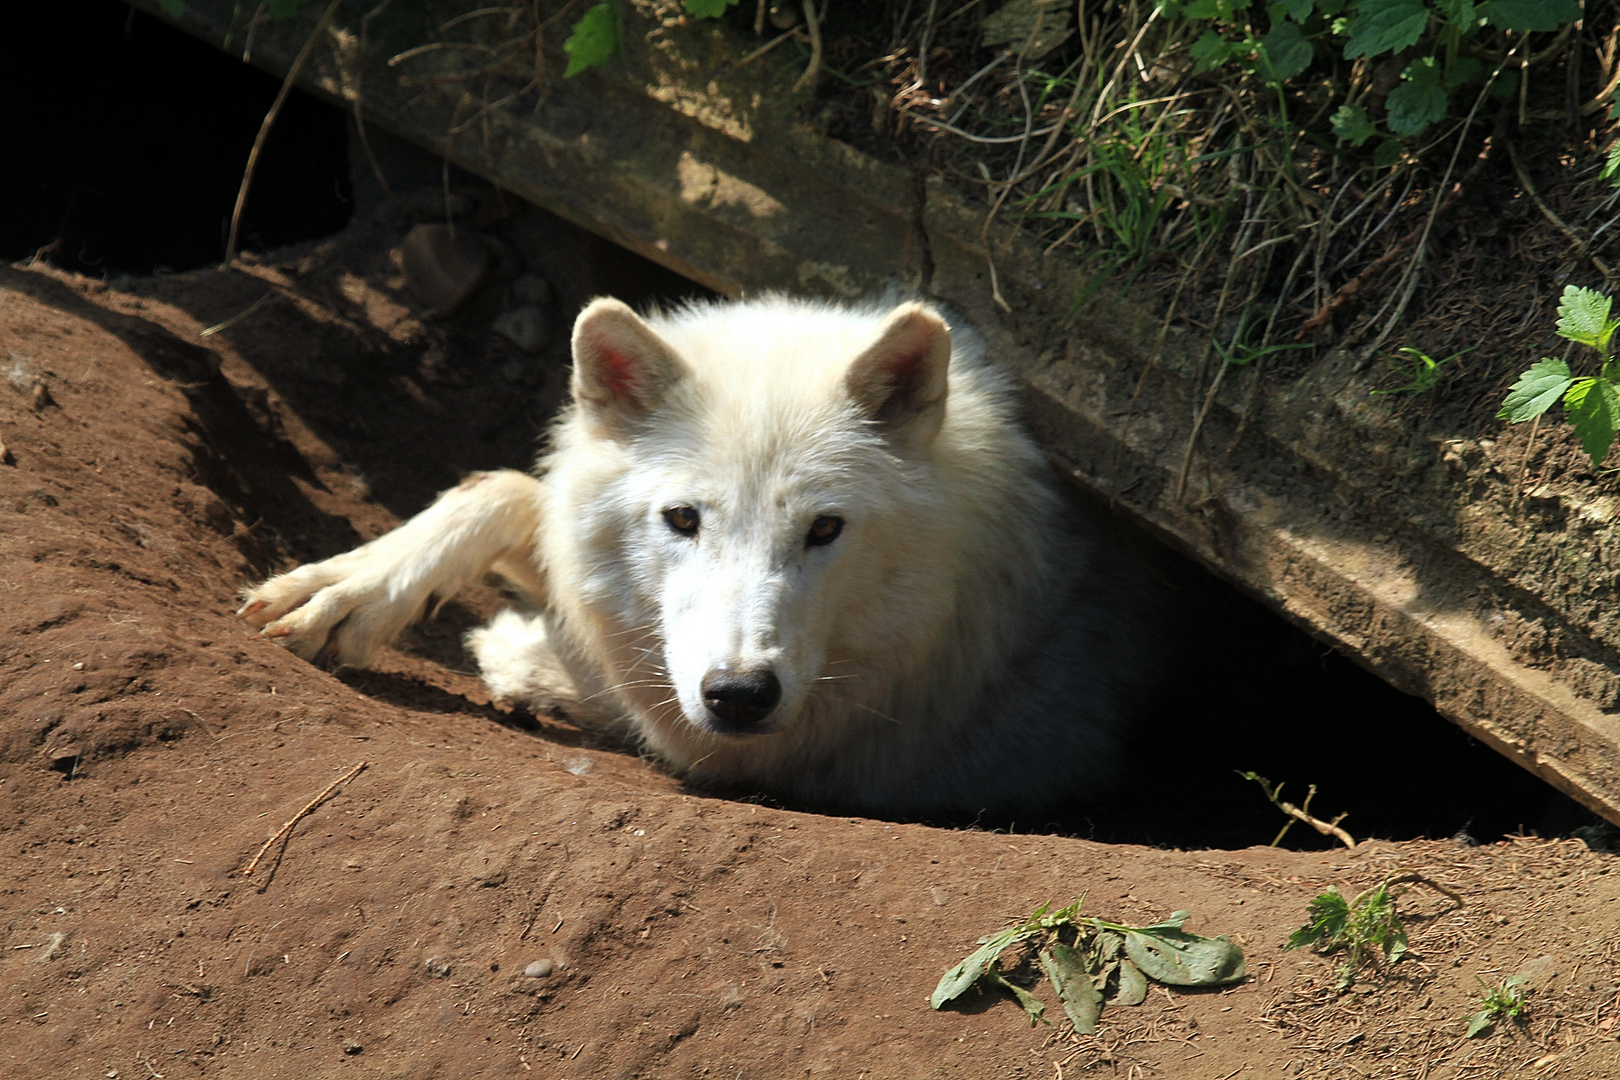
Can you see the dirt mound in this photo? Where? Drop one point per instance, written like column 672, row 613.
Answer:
column 497, row 894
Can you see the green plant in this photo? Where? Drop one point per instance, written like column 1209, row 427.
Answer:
column 594, row 40
column 1592, row 402
column 1362, row 927
column 1423, row 372
column 1090, row 960
column 1444, row 44
column 1505, row 999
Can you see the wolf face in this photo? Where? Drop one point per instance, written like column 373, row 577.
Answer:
column 750, row 519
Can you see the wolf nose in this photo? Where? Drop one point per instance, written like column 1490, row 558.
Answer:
column 740, row 700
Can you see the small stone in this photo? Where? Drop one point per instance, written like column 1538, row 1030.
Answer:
column 350, row 864
column 352, row 1047
column 439, row 969
column 539, row 969
column 41, row 398
column 532, row 289
column 443, row 265
column 524, row 327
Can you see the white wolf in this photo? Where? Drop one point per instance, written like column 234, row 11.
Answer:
column 788, row 546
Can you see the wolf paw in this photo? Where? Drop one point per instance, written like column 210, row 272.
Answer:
column 339, row 611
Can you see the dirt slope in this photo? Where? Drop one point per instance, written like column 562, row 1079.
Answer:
column 149, row 745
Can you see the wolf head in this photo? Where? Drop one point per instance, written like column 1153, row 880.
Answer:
column 755, row 508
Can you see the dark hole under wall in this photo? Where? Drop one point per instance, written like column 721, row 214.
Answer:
column 124, row 143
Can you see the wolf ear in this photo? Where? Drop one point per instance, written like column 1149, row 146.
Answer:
column 901, row 380
column 622, row 370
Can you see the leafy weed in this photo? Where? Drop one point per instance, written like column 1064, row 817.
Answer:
column 1365, row 928
column 1423, row 373
column 1506, row 999
column 1592, row 402
column 1092, row 960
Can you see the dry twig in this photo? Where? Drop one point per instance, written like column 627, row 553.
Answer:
column 309, row 808
column 269, row 122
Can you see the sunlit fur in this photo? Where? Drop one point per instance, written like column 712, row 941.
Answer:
column 951, row 650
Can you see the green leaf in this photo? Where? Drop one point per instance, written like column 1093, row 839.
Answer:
column 1132, row 985
column 1458, row 13
column 594, row 41
column 1594, row 408
column 1388, row 153
column 1536, row 390
column 1611, row 166
column 1034, row 1006
column 1351, row 124
column 1210, row 51
column 1480, row 1021
column 1583, row 317
column 1465, row 70
column 1529, row 15
column 1285, row 53
column 1327, row 915
column 1178, row 958
column 173, row 8
column 1082, row 1003
column 1384, row 26
column 956, row 981
column 1419, row 101
column 707, row 9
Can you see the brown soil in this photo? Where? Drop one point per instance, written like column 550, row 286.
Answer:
column 150, row 745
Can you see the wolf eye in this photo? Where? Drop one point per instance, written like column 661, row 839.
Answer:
column 683, row 519
column 824, row 530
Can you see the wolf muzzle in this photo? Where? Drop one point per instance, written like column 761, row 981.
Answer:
column 739, row 702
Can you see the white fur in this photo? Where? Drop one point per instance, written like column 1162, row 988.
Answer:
column 956, row 647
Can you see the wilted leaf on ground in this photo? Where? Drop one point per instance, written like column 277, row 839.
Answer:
column 1082, row 1001
column 956, row 981
column 1178, row 958
column 1132, row 984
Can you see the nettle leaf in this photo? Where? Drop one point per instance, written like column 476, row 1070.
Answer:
column 1210, row 51
column 1420, row 100
column 1285, row 53
column 1178, row 958
column 1594, row 408
column 1387, row 153
column 1583, row 317
column 1457, row 12
column 1352, row 124
column 1536, row 390
column 1328, row 914
column 1611, row 165
column 956, row 981
column 1384, row 26
column 1529, row 15
column 707, row 9
column 594, row 41
column 1072, row 978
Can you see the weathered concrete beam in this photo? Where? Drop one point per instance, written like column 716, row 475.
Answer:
column 1412, row 556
